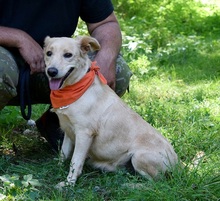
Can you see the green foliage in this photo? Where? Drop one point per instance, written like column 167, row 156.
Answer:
column 155, row 24
column 14, row 186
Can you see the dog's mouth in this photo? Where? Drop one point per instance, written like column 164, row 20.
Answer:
column 56, row 83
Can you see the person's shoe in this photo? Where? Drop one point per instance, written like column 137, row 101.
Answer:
column 49, row 128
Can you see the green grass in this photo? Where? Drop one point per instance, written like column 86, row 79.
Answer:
column 172, row 48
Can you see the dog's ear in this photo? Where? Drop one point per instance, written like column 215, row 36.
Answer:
column 88, row 43
column 46, row 41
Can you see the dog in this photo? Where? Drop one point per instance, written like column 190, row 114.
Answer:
column 98, row 125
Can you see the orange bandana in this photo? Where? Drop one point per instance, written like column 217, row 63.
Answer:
column 65, row 96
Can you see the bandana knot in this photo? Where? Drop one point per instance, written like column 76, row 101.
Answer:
column 69, row 94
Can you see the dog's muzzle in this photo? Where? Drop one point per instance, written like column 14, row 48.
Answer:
column 52, row 71
column 54, row 81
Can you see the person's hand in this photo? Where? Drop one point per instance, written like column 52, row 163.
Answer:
column 29, row 49
column 109, row 76
column 32, row 53
column 107, row 68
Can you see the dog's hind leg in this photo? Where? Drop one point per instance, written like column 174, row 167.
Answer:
column 145, row 163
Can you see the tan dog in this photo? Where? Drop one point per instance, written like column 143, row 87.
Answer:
column 99, row 125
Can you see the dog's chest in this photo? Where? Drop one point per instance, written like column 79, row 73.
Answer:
column 66, row 123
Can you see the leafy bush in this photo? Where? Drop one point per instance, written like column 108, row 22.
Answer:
column 152, row 25
column 21, row 188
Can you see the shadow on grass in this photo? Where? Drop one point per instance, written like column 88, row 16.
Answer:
column 192, row 61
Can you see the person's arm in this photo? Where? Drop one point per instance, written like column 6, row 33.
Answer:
column 29, row 49
column 108, row 33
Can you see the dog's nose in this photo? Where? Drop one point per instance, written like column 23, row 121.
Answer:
column 52, row 71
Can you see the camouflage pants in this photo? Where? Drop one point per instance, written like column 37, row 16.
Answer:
column 39, row 87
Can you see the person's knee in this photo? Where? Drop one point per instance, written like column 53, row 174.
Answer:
column 8, row 77
column 123, row 75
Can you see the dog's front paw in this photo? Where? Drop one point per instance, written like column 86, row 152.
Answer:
column 60, row 185
column 60, row 163
column 64, row 184
column 61, row 160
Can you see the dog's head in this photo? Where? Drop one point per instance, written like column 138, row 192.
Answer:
column 66, row 59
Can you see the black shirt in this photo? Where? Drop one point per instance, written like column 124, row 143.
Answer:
column 54, row 18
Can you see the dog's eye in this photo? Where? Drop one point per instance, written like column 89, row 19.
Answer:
column 49, row 53
column 68, row 55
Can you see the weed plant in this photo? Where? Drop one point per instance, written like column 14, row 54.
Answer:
column 172, row 48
